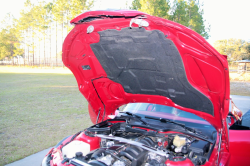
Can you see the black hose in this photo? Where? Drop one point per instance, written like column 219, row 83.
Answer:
column 126, row 155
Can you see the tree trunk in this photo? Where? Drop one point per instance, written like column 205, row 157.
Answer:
column 33, row 45
column 28, row 48
column 50, row 44
column 39, row 52
column 12, row 52
column 62, row 34
column 24, row 49
column 44, row 49
column 62, row 30
column 56, row 43
column 189, row 14
column 28, row 56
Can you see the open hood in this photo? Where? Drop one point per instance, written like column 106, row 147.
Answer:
column 119, row 57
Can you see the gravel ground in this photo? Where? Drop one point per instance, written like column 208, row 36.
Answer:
column 240, row 88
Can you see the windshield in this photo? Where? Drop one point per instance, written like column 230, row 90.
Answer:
column 161, row 111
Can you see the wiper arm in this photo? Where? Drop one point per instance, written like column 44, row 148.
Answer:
column 173, row 122
column 136, row 116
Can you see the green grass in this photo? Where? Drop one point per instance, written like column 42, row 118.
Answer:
column 37, row 111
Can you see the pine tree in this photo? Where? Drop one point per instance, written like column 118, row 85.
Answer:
column 27, row 25
column 235, row 49
column 190, row 14
column 186, row 12
column 157, row 8
column 9, row 38
column 179, row 12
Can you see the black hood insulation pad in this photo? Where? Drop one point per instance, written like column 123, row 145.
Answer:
column 146, row 62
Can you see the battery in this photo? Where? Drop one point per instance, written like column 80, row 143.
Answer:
column 199, row 147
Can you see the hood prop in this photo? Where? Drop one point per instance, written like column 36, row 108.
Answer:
column 104, row 109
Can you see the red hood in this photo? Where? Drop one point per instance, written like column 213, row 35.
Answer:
column 163, row 63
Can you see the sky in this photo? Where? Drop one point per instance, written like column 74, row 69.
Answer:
column 227, row 18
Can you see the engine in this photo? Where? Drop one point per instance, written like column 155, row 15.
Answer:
column 116, row 143
column 118, row 154
column 136, row 149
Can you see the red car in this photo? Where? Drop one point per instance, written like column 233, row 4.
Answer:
column 158, row 94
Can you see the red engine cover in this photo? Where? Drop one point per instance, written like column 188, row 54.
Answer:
column 186, row 162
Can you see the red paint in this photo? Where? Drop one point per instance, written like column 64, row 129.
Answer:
column 239, row 147
column 57, row 154
column 224, row 159
column 186, row 162
column 231, row 120
column 50, row 151
column 165, row 144
column 192, row 47
column 118, row 121
column 206, row 70
column 93, row 141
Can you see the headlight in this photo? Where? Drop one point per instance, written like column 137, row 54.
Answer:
column 44, row 162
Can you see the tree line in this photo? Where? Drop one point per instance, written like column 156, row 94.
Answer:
column 39, row 32
column 38, row 24
column 235, row 49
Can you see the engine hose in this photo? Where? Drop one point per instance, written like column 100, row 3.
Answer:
column 97, row 153
column 148, row 141
column 122, row 153
column 133, row 150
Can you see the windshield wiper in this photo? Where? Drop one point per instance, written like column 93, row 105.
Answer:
column 136, row 116
column 173, row 122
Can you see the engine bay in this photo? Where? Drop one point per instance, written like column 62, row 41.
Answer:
column 134, row 149
column 118, row 142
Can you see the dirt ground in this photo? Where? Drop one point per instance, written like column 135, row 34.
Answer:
column 240, row 88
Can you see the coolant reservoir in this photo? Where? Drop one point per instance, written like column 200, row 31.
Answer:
column 73, row 147
column 179, row 141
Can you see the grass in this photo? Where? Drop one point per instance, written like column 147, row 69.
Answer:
column 36, row 111
column 240, row 84
column 240, row 88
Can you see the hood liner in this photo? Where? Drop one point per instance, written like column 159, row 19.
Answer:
column 146, row 62
column 205, row 69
